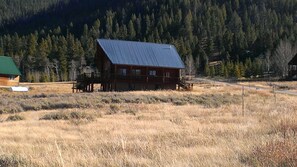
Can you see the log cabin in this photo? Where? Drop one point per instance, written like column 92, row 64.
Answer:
column 9, row 73
column 128, row 65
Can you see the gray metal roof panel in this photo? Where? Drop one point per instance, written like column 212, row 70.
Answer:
column 141, row 53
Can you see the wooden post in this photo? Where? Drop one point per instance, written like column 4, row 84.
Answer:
column 147, row 78
column 274, row 94
column 163, row 75
column 115, row 77
column 130, row 78
column 243, row 101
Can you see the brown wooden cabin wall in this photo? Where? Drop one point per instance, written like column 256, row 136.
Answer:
column 5, row 81
column 143, row 81
column 103, row 64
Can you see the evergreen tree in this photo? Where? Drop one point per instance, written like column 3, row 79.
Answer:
column 41, row 62
column 248, row 67
column 62, row 55
column 131, row 30
column 207, row 70
column 212, row 71
column 222, row 70
column 95, row 30
column 237, row 71
column 226, row 72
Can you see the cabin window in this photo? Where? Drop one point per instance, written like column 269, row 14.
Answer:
column 136, row 72
column 167, row 74
column 122, row 72
column 11, row 77
column 152, row 73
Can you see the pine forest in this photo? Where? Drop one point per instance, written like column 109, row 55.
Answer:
column 50, row 40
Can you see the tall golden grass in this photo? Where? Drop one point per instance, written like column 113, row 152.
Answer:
column 160, row 134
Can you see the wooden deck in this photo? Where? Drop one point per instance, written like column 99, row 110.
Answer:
column 85, row 82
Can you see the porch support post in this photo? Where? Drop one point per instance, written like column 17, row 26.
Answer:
column 147, row 78
column 115, row 77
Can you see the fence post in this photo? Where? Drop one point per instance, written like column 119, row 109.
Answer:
column 243, row 101
column 274, row 94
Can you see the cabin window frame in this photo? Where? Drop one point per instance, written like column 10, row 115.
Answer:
column 122, row 72
column 136, row 72
column 167, row 74
column 152, row 73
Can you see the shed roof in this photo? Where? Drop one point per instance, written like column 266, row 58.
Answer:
column 8, row 67
column 141, row 53
column 293, row 61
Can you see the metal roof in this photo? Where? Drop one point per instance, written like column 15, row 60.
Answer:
column 141, row 53
column 8, row 67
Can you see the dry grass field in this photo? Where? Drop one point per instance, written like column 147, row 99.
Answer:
column 49, row 126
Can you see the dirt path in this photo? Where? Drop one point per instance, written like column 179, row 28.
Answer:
column 249, row 87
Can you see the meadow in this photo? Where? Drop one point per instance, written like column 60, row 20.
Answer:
column 50, row 126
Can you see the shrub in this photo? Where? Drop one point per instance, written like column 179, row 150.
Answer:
column 176, row 120
column 42, row 95
column 276, row 153
column 15, row 118
column 55, row 116
column 61, row 105
column 287, row 127
column 31, row 106
column 116, row 100
column 74, row 115
column 14, row 161
column 180, row 103
column 113, row 109
column 130, row 111
column 5, row 109
column 78, row 118
column 82, row 115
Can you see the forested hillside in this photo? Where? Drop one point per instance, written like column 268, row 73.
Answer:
column 14, row 10
column 50, row 40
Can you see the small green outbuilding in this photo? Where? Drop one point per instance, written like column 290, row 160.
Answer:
column 9, row 73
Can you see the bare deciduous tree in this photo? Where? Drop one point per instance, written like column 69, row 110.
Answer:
column 82, row 63
column 47, row 67
column 282, row 55
column 190, row 66
column 56, row 66
column 73, row 70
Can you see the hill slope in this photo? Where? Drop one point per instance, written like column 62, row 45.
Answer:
column 14, row 10
column 235, row 30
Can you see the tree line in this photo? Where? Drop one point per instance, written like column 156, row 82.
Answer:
column 249, row 37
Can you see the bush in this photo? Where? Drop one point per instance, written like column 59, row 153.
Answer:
column 179, row 103
column 113, row 109
column 287, row 127
column 14, row 161
column 82, row 115
column 130, row 111
column 276, row 153
column 55, row 116
column 15, row 118
column 75, row 115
